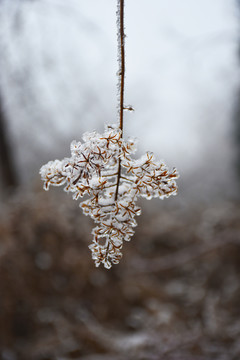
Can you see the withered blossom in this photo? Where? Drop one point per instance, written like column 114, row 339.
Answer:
column 93, row 169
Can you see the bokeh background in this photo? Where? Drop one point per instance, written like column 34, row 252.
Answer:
column 176, row 293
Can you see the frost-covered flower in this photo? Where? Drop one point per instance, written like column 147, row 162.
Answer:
column 93, row 169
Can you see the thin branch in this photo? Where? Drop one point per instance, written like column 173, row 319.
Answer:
column 121, row 36
column 118, row 179
column 122, row 56
column 124, row 178
column 109, row 186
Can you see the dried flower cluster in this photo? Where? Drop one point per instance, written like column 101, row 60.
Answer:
column 93, row 169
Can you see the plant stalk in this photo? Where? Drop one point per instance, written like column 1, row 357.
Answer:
column 122, row 79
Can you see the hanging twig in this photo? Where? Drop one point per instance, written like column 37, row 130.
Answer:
column 121, row 37
column 122, row 60
column 98, row 163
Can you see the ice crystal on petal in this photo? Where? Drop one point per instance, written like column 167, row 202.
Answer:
column 92, row 170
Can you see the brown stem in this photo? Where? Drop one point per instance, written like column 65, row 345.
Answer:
column 124, row 178
column 110, row 175
column 122, row 59
column 122, row 77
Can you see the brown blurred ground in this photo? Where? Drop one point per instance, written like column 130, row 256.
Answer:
column 175, row 295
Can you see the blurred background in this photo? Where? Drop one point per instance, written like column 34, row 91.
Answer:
column 176, row 293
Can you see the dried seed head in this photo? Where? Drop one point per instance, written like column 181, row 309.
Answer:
column 92, row 170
